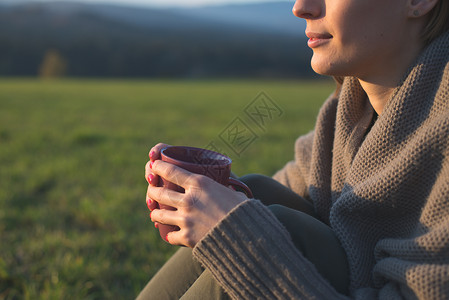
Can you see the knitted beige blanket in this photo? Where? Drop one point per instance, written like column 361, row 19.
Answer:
column 384, row 192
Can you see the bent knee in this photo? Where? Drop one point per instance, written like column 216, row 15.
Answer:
column 258, row 182
column 278, row 210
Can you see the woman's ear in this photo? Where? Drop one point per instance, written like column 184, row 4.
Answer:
column 419, row 8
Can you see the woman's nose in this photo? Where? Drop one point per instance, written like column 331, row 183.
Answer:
column 307, row 9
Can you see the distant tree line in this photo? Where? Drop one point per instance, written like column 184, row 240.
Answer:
column 34, row 42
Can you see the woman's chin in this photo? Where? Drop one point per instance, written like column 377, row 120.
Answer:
column 321, row 66
column 321, row 71
column 326, row 68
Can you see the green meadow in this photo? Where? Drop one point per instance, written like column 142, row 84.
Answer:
column 73, row 218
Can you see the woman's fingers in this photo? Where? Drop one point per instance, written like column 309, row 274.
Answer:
column 150, row 202
column 148, row 170
column 182, row 237
column 174, row 174
column 179, row 238
column 167, row 197
column 151, row 178
column 165, row 216
column 155, row 152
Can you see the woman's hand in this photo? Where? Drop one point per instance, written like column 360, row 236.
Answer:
column 153, row 179
column 203, row 204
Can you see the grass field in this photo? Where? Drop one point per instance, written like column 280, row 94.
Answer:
column 73, row 218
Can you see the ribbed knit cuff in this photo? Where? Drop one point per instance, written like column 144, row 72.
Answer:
column 251, row 255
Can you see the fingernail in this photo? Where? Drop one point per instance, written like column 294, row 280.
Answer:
column 166, row 238
column 156, row 225
column 151, row 165
column 148, row 204
column 151, row 154
column 150, row 178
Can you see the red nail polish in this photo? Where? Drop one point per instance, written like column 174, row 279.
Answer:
column 166, row 238
column 156, row 225
column 151, row 165
column 148, row 204
column 151, row 154
column 150, row 178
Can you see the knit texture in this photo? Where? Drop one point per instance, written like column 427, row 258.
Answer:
column 385, row 193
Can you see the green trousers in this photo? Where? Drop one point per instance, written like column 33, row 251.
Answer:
column 182, row 277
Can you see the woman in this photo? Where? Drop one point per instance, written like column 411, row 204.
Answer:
column 365, row 205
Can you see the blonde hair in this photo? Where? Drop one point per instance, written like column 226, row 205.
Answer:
column 438, row 21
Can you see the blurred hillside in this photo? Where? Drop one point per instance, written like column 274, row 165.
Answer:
column 100, row 40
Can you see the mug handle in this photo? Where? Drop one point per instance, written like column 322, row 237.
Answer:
column 239, row 186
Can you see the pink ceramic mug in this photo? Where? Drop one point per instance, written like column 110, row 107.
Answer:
column 200, row 161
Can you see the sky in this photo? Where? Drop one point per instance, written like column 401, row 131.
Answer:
column 166, row 3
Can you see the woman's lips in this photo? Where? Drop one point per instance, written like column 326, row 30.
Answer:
column 317, row 39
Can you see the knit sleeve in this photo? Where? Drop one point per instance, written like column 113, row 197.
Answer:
column 295, row 173
column 309, row 148
column 252, row 256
